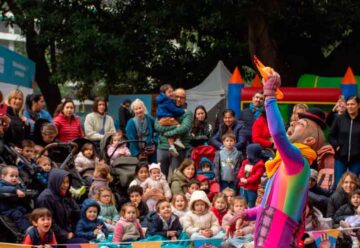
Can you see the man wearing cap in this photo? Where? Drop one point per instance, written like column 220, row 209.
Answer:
column 280, row 216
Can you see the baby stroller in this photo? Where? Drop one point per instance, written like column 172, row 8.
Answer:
column 122, row 169
column 205, row 154
column 9, row 232
column 203, row 151
column 28, row 169
column 78, row 185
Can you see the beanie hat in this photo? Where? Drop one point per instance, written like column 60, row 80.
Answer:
column 154, row 166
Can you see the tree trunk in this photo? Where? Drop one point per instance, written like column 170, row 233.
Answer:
column 36, row 53
column 264, row 47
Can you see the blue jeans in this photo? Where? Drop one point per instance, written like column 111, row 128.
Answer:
column 341, row 167
column 225, row 184
column 250, row 197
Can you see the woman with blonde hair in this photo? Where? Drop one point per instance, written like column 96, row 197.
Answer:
column 141, row 127
column 19, row 128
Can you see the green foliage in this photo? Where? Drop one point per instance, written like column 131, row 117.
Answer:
column 124, row 47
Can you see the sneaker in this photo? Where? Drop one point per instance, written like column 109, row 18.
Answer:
column 179, row 144
column 173, row 151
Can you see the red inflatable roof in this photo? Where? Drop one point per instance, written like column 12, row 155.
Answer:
column 293, row 94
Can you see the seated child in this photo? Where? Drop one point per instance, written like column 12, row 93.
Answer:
column 156, row 181
column 90, row 227
column 352, row 220
column 200, row 222
column 244, row 232
column 193, row 185
column 207, row 186
column 141, row 174
column 238, row 203
column 102, row 178
column 206, row 168
column 179, row 205
column 128, row 227
column 250, row 173
column 230, row 194
column 314, row 221
column 163, row 222
column 114, row 150
column 219, row 207
column 227, row 161
column 167, row 111
column 108, row 212
column 40, row 234
column 348, row 209
column 42, row 174
column 85, row 162
column 135, row 194
column 28, row 152
column 13, row 207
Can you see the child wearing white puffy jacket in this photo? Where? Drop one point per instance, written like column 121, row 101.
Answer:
column 200, row 222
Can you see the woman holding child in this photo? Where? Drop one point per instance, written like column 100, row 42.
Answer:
column 141, row 127
column 347, row 185
column 182, row 176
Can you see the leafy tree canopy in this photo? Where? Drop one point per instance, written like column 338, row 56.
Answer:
column 132, row 46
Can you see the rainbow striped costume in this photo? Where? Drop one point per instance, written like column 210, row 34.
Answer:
column 280, row 212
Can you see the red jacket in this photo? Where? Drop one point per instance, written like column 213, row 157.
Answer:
column 68, row 130
column 260, row 133
column 254, row 177
column 219, row 214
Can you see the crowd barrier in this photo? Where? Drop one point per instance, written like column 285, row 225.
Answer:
column 323, row 238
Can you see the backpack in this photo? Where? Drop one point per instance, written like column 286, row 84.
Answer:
column 326, row 179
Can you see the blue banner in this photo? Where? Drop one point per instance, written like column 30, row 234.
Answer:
column 15, row 68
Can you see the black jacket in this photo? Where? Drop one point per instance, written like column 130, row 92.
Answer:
column 157, row 226
column 143, row 211
column 17, row 130
column 336, row 200
column 342, row 131
column 64, row 209
column 124, row 116
column 343, row 212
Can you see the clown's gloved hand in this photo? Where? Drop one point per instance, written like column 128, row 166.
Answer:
column 271, row 85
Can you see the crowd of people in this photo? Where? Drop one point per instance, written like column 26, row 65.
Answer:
column 193, row 179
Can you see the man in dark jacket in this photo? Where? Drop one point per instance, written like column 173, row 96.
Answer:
column 124, row 114
column 65, row 211
column 250, row 114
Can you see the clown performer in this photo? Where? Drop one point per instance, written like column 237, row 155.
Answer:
column 280, row 216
